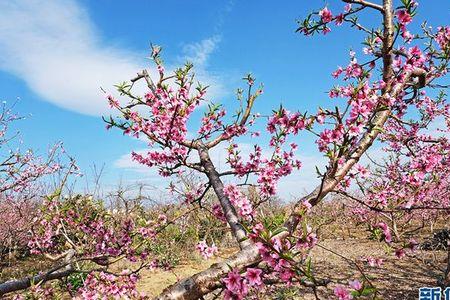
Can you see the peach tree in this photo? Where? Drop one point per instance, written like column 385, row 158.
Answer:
column 383, row 99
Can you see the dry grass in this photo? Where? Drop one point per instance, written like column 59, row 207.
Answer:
column 396, row 279
column 153, row 282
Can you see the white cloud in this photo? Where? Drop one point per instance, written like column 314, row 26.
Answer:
column 54, row 47
column 125, row 162
column 198, row 53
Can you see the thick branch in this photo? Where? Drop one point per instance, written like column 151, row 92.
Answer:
column 330, row 182
column 388, row 41
column 56, row 273
column 207, row 281
column 228, row 208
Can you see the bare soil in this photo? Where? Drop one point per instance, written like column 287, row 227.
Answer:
column 396, row 279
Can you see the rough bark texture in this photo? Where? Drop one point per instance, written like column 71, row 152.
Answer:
column 228, row 209
column 204, row 282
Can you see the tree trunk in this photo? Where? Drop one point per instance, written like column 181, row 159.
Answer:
column 228, row 209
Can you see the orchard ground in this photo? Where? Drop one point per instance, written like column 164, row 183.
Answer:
column 396, row 278
column 334, row 258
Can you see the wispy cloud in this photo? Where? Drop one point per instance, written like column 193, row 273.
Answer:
column 198, row 53
column 55, row 48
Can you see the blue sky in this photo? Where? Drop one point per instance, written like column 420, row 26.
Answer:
column 55, row 55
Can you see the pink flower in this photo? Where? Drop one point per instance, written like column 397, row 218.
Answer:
column 363, row 172
column 326, row 15
column 407, row 36
column 336, row 73
column 342, row 293
column 205, row 250
column 233, row 281
column 355, row 284
column 218, row 212
column 112, row 101
column 254, row 276
column 403, row 17
column 386, row 232
column 374, row 262
column 400, row 253
column 286, row 275
column 443, row 37
column 320, row 118
column 354, row 130
column 339, row 19
column 347, row 7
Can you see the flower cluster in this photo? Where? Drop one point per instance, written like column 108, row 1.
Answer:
column 239, row 200
column 344, row 293
column 308, row 239
column 443, row 38
column 205, row 250
column 272, row 253
column 238, row 286
column 170, row 108
column 102, row 285
column 98, row 234
column 218, row 212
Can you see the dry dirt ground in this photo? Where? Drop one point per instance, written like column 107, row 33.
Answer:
column 396, row 279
